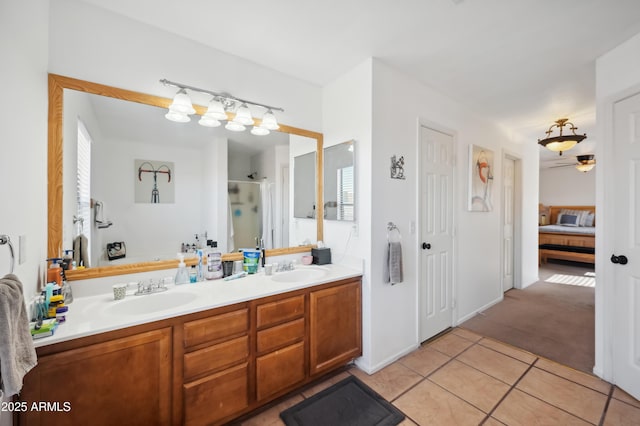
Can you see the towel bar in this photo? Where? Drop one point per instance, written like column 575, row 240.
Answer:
column 4, row 239
column 390, row 228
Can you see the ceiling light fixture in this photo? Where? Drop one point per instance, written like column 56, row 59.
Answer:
column 220, row 104
column 561, row 142
column 585, row 162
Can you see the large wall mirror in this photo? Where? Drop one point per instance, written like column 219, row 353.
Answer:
column 120, row 172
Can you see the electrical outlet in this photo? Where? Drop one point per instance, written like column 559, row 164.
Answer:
column 22, row 249
column 354, row 229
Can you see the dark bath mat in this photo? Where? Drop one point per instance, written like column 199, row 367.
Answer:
column 347, row 403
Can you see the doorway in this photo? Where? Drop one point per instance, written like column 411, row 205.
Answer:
column 511, row 214
column 437, row 254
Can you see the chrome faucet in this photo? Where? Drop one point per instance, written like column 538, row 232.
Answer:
column 150, row 287
column 285, row 266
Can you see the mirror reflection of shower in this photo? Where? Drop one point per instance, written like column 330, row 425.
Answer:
column 246, row 213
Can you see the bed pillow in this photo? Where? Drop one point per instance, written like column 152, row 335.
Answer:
column 580, row 214
column 566, row 219
column 589, row 220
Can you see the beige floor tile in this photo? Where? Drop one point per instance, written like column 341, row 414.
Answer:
column 621, row 395
column 429, row 404
column 424, row 360
column 518, row 408
column 469, row 335
column 620, row 413
column 564, row 394
column 509, row 350
column 492, row 422
column 584, row 379
column 271, row 417
column 471, row 385
column 391, row 381
column 307, row 393
column 495, row 364
column 450, row 344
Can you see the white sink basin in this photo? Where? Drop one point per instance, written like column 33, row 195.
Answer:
column 305, row 273
column 139, row 305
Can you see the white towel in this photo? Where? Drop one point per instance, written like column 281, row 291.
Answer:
column 393, row 263
column 17, row 353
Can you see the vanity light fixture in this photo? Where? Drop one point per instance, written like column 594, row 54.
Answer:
column 585, row 162
column 561, row 142
column 219, row 105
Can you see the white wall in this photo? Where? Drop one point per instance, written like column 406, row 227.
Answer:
column 23, row 139
column 148, row 230
column 567, row 186
column 93, row 44
column 380, row 108
column 617, row 76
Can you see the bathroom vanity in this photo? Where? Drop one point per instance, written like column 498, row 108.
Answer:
column 235, row 347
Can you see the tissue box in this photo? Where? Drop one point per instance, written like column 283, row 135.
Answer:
column 321, row 256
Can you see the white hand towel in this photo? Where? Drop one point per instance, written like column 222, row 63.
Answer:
column 17, row 353
column 393, row 263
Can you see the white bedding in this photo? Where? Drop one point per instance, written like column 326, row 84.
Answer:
column 588, row 230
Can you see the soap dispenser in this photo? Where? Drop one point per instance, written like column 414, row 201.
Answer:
column 182, row 276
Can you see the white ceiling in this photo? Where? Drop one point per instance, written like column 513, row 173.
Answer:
column 521, row 63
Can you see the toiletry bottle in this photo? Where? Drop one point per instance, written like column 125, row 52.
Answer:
column 66, row 289
column 193, row 275
column 53, row 273
column 200, row 270
column 182, row 276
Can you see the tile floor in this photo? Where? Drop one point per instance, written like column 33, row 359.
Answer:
column 462, row 378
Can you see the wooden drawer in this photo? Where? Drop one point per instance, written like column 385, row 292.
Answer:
column 216, row 357
column 216, row 327
column 280, row 311
column 215, row 397
column 280, row 335
column 279, row 370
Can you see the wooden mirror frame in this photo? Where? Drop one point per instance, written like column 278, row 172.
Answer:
column 57, row 84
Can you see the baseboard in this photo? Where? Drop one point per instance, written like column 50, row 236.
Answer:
column 477, row 311
column 386, row 362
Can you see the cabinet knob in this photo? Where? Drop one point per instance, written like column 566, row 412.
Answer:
column 621, row 260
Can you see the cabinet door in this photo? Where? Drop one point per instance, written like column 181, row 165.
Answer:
column 118, row 382
column 335, row 326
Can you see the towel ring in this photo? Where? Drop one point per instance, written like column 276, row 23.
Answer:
column 4, row 239
column 390, row 228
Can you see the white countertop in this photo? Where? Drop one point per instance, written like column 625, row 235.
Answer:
column 100, row 313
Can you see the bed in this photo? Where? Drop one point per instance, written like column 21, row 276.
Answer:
column 570, row 234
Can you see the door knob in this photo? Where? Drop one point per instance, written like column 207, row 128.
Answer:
column 622, row 259
column 426, row 246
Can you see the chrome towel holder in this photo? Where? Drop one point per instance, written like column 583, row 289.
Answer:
column 4, row 239
column 390, row 228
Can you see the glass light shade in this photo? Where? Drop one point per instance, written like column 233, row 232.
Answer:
column 243, row 115
column 269, row 121
column 234, row 126
column 585, row 167
column 208, row 121
column 259, row 131
column 177, row 117
column 560, row 146
column 216, row 110
column 182, row 103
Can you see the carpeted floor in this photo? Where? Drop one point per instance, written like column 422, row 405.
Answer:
column 547, row 318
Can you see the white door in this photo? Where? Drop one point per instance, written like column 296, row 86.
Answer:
column 436, row 229
column 508, row 215
column 626, row 244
